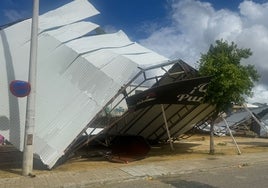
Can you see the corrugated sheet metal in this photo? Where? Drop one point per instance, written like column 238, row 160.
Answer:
column 74, row 11
column 148, row 121
column 72, row 31
column 75, row 77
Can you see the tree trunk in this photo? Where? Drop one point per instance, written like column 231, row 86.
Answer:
column 211, row 148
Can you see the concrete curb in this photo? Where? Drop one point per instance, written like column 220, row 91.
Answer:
column 73, row 179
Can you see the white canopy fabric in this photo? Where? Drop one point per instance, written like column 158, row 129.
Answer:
column 77, row 74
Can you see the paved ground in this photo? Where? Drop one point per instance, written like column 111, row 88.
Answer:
column 247, row 176
column 190, row 155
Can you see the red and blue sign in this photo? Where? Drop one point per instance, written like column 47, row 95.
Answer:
column 20, row 88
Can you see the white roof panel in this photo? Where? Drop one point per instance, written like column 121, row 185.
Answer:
column 74, row 11
column 98, row 42
column 75, row 77
column 72, row 31
column 10, row 34
column 140, row 54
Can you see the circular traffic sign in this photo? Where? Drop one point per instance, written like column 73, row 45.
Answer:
column 20, row 88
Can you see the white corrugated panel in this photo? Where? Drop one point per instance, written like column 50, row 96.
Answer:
column 72, row 31
column 62, row 16
column 14, row 61
column 140, row 54
column 98, row 42
column 75, row 77
column 74, row 11
column 117, row 43
column 10, row 35
column 114, row 65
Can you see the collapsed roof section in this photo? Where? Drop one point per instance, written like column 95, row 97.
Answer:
column 137, row 109
column 245, row 119
column 78, row 74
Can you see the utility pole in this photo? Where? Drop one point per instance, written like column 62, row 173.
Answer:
column 27, row 164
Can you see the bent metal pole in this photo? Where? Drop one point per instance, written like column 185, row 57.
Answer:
column 166, row 126
column 27, row 164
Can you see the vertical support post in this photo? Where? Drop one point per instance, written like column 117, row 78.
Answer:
column 238, row 150
column 166, row 125
column 211, row 140
column 27, row 164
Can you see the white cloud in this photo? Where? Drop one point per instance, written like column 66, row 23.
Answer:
column 260, row 94
column 254, row 13
column 110, row 29
column 196, row 25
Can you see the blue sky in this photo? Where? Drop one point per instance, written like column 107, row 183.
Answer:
column 128, row 15
column 121, row 14
column 176, row 28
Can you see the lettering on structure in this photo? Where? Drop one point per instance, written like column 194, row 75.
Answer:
column 196, row 95
column 191, row 91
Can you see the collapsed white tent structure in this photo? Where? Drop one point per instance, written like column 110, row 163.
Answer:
column 78, row 72
column 94, row 84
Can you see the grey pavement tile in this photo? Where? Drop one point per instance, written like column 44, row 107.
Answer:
column 113, row 174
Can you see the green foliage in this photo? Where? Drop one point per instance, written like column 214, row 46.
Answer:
column 231, row 81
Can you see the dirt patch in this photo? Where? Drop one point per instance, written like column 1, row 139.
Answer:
column 196, row 146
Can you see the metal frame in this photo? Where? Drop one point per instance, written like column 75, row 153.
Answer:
column 185, row 72
column 122, row 91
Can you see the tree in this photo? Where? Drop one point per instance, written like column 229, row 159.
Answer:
column 231, row 80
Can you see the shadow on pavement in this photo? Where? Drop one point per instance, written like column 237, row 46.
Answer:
column 187, row 184
column 11, row 160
